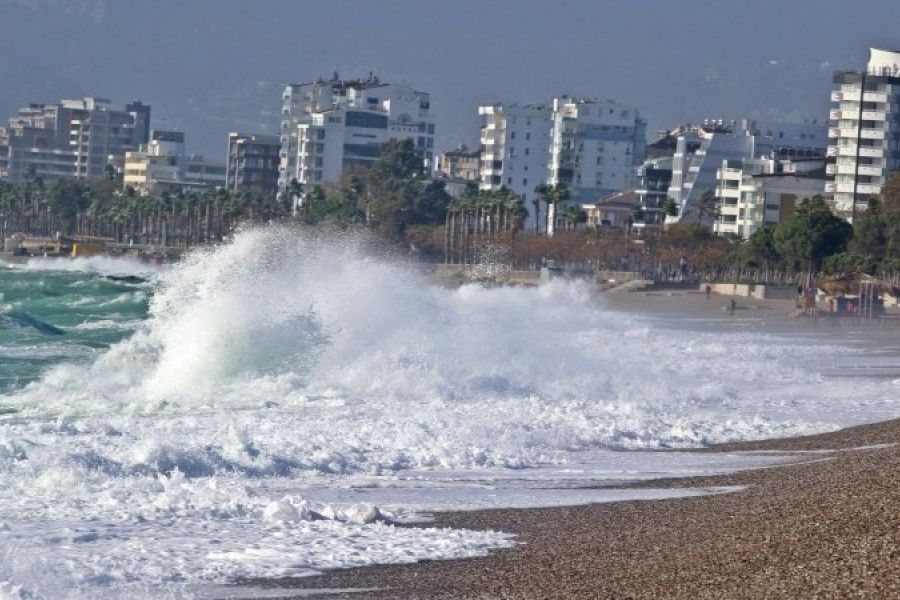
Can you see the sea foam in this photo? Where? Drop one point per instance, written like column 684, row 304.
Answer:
column 280, row 362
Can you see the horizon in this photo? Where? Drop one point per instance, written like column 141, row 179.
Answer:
column 210, row 77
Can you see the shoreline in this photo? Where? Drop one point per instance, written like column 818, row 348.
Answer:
column 829, row 527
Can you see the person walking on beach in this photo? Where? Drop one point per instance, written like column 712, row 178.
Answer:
column 708, row 290
column 732, row 307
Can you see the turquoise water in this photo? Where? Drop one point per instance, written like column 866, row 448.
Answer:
column 92, row 311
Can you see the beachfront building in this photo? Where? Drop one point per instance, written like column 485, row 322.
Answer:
column 754, row 193
column 252, row 162
column 328, row 125
column 462, row 163
column 70, row 139
column 515, row 151
column 700, row 152
column 595, row 146
column 614, row 210
column 864, row 131
column 162, row 165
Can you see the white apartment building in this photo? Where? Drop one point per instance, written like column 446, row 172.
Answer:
column 515, row 151
column 595, row 146
column 329, row 125
column 754, row 193
column 701, row 150
column 163, row 166
column 864, row 131
column 74, row 138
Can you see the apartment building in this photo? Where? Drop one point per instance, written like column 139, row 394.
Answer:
column 162, row 165
column 252, row 162
column 73, row 138
column 595, row 147
column 461, row 163
column 515, row 151
column 362, row 114
column 701, row 149
column 754, row 193
column 864, row 132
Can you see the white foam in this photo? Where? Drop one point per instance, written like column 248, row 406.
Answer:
column 279, row 377
column 103, row 265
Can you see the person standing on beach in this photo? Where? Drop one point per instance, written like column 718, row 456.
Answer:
column 708, row 290
column 732, row 307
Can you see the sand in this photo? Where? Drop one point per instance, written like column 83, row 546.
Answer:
column 825, row 528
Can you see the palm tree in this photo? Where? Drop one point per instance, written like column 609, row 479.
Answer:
column 708, row 206
column 558, row 194
column 541, row 194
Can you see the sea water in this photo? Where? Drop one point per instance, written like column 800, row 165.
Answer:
column 276, row 405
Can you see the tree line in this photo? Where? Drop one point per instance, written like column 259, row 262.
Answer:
column 390, row 197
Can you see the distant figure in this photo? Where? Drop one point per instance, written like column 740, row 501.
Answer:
column 732, row 307
column 708, row 290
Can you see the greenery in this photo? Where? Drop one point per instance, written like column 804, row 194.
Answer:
column 390, row 197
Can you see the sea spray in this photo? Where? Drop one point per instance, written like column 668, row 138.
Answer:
column 280, row 364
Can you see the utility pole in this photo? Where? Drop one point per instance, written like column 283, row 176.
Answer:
column 862, row 94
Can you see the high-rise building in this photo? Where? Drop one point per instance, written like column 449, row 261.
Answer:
column 515, row 150
column 864, row 131
column 162, row 165
column 595, row 146
column 329, row 125
column 252, row 163
column 74, row 138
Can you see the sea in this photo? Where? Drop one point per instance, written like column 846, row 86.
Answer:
column 285, row 403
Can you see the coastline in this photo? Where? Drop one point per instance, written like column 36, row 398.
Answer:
column 829, row 527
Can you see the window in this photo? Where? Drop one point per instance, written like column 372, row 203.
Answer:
column 368, row 120
column 525, row 182
column 527, row 135
column 527, row 151
column 512, row 135
column 509, row 180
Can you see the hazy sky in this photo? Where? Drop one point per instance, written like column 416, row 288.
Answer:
column 212, row 66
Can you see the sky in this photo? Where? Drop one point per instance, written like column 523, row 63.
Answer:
column 208, row 67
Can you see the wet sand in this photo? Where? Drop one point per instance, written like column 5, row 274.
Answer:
column 825, row 528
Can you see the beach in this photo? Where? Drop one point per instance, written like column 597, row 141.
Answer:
column 825, row 527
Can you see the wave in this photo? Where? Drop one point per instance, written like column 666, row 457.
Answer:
column 374, row 367
column 101, row 265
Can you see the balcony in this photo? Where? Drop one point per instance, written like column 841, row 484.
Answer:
column 870, row 152
column 874, row 115
column 836, row 96
column 832, row 151
column 870, row 170
column 872, row 134
column 830, row 187
column 835, row 114
column 867, row 188
column 831, row 169
column 875, row 97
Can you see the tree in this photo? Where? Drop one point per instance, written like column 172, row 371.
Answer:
column 889, row 198
column 869, row 237
column 637, row 214
column 552, row 196
column 708, row 206
column 671, row 208
column 759, row 249
column 811, row 234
